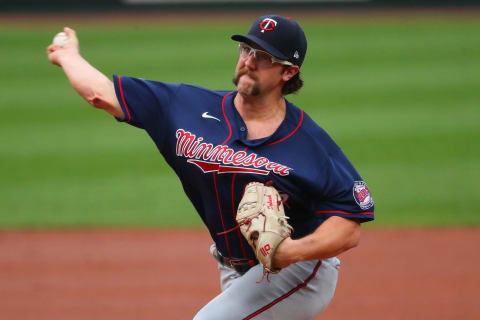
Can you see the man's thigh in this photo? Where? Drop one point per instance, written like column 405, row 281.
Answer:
column 301, row 291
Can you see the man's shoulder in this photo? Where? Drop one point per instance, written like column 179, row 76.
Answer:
column 313, row 134
column 308, row 124
column 191, row 88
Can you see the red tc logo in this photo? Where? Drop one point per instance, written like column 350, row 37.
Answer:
column 268, row 24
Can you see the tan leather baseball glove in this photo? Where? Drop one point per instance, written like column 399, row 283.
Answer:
column 262, row 221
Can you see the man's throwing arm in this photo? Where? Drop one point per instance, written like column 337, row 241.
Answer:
column 90, row 83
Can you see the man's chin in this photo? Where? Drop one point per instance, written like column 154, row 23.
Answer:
column 248, row 89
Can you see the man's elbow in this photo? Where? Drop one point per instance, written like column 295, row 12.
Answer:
column 110, row 105
column 97, row 101
column 102, row 95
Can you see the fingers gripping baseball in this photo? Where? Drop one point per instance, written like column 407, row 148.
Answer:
column 64, row 43
column 263, row 223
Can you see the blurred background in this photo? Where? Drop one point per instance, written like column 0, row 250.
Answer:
column 395, row 83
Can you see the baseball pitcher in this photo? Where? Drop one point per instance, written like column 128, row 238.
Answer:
column 278, row 196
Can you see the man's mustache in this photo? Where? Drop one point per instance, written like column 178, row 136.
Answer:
column 245, row 71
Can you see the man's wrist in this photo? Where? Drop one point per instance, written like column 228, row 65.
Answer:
column 286, row 253
column 69, row 58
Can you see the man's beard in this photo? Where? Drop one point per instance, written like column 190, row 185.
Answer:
column 253, row 90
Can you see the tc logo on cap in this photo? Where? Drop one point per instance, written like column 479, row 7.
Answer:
column 268, row 24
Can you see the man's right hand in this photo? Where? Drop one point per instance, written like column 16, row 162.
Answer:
column 55, row 52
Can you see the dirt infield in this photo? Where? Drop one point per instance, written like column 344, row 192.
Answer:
column 153, row 274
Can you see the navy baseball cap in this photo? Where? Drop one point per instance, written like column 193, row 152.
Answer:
column 282, row 37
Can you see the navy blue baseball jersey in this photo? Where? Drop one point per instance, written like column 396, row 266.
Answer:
column 203, row 138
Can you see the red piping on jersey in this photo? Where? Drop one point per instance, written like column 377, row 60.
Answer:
column 343, row 212
column 286, row 295
column 214, row 175
column 234, row 212
column 226, row 119
column 291, row 133
column 240, row 237
column 123, row 98
column 221, row 213
column 233, row 199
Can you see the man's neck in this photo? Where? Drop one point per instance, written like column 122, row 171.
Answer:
column 262, row 114
column 262, row 107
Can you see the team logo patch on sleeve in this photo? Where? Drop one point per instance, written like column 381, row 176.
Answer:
column 362, row 195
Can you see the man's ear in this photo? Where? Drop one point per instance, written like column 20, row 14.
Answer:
column 289, row 72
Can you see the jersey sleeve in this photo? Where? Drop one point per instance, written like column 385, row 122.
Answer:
column 342, row 192
column 144, row 102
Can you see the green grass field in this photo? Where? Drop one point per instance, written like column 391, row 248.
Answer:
column 400, row 95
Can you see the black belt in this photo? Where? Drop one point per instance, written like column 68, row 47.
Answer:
column 239, row 265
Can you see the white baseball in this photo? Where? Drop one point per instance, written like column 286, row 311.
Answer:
column 60, row 39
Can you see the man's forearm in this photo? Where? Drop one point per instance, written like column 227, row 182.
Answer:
column 90, row 83
column 334, row 236
column 84, row 78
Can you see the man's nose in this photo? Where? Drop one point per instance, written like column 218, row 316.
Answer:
column 250, row 62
